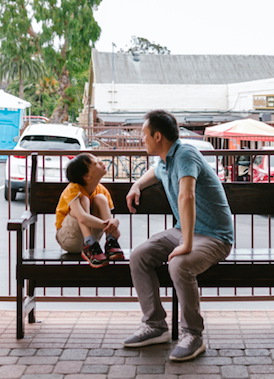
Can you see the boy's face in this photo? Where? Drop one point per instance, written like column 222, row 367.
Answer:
column 97, row 169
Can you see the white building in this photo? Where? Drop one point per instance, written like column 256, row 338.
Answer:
column 183, row 84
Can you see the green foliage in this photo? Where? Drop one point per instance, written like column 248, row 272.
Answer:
column 43, row 95
column 19, row 55
column 63, row 46
column 144, row 46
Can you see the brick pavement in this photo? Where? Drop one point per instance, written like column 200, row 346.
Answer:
column 87, row 345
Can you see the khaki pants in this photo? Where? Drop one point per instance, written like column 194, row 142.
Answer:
column 183, row 270
column 70, row 237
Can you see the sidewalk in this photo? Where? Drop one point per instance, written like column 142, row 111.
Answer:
column 88, row 345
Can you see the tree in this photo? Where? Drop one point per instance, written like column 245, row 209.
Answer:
column 68, row 31
column 19, row 55
column 144, row 46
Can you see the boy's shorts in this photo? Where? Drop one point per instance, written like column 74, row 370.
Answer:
column 70, row 237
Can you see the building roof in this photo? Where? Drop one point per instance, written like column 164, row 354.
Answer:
column 181, row 69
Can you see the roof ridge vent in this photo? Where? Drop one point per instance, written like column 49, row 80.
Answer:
column 136, row 56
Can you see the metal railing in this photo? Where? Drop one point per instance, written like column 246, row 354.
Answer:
column 248, row 229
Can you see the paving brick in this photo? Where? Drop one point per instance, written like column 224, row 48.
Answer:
column 119, row 372
column 206, row 369
column 23, row 352
column 127, row 352
column 4, row 352
column 8, row 360
column 95, row 369
column 38, row 360
column 74, row 354
column 66, row 367
column 150, row 369
column 156, row 376
column 42, row 376
column 257, row 352
column 49, row 352
column 179, row 368
column 85, row 376
column 261, row 376
column 101, row 353
column 252, row 361
column 200, row 376
column 232, row 372
column 105, row 361
column 39, row 369
column 144, row 361
column 14, row 371
column 231, row 353
column 216, row 361
column 261, row 369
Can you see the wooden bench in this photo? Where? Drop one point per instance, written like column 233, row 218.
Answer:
column 243, row 268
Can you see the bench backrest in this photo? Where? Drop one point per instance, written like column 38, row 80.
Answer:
column 243, row 198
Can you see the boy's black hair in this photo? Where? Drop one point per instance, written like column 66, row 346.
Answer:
column 163, row 122
column 78, row 168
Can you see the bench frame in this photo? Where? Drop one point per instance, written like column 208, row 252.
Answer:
column 70, row 270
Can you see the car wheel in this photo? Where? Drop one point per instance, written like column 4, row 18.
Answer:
column 12, row 194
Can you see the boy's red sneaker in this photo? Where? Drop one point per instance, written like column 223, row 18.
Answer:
column 113, row 250
column 94, row 256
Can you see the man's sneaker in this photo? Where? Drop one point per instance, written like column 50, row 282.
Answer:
column 113, row 250
column 189, row 347
column 147, row 336
column 94, row 256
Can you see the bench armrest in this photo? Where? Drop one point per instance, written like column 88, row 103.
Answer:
column 23, row 222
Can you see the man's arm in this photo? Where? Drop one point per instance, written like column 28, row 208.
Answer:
column 147, row 180
column 187, row 212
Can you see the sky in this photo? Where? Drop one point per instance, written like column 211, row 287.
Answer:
column 189, row 26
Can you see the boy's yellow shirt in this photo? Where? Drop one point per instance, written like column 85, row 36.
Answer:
column 71, row 193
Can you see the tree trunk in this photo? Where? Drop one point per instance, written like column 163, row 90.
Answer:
column 21, row 84
column 60, row 113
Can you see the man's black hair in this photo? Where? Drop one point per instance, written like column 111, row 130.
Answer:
column 78, row 168
column 163, row 122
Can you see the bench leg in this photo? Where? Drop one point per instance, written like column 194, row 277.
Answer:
column 20, row 309
column 175, row 332
column 31, row 294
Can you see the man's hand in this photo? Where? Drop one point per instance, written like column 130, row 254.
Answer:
column 133, row 195
column 112, row 227
column 179, row 250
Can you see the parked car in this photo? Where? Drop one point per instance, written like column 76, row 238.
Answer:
column 260, row 167
column 43, row 137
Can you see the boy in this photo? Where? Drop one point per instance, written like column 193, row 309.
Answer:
column 83, row 213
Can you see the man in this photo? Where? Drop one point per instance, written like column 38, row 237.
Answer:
column 201, row 237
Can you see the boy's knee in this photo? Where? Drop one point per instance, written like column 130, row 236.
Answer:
column 100, row 199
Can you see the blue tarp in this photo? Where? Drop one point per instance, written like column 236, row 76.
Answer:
column 10, row 121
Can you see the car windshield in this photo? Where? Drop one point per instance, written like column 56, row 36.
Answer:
column 49, row 143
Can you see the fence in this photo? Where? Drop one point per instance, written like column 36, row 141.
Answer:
column 250, row 231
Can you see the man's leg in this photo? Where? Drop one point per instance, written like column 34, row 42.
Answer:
column 183, row 270
column 143, row 262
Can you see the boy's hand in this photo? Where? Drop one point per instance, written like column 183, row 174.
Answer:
column 111, row 226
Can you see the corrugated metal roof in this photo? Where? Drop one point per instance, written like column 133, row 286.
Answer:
column 182, row 69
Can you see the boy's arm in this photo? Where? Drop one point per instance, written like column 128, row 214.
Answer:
column 147, row 180
column 78, row 212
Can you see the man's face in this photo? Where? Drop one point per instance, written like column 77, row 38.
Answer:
column 148, row 140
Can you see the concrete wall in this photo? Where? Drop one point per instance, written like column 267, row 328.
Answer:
column 141, row 97
column 240, row 95
column 144, row 97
